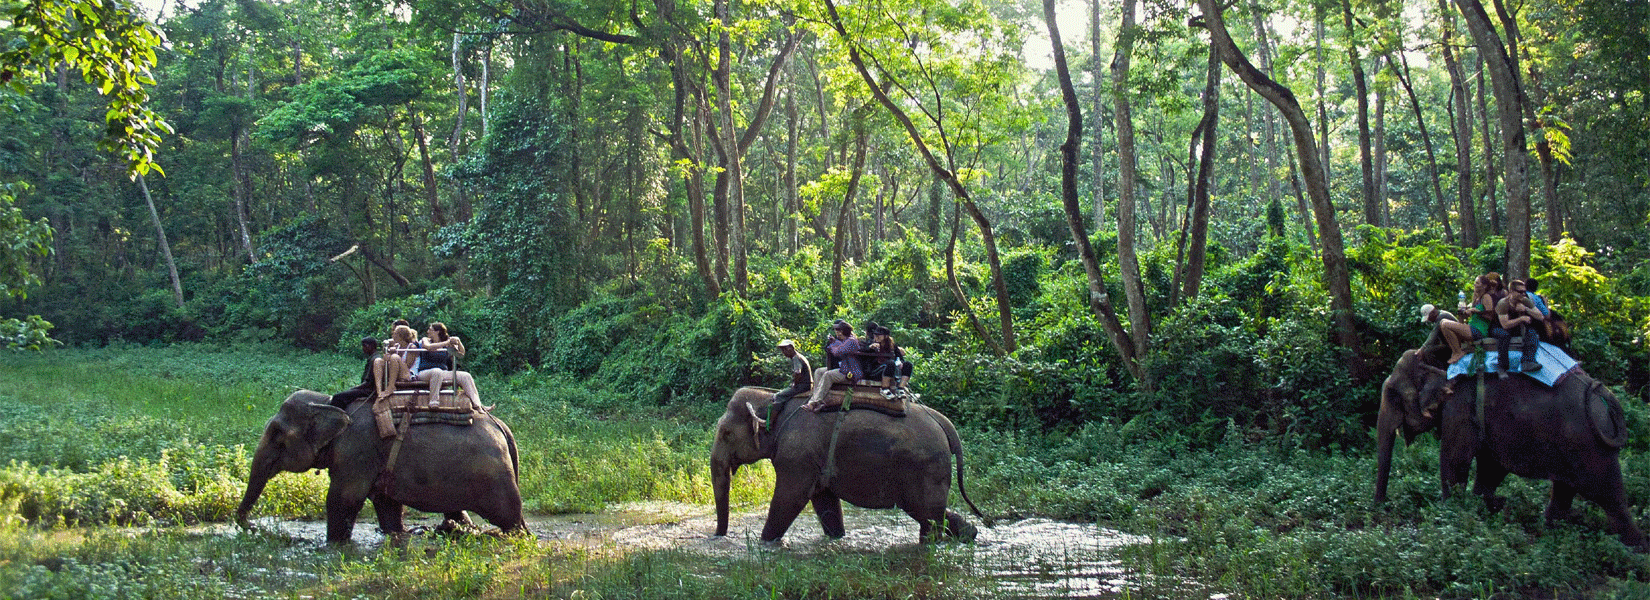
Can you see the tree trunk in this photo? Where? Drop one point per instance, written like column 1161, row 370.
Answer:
column 1337, row 280
column 1462, row 120
column 839, row 249
column 165, row 246
column 1378, row 136
column 1490, row 167
column 1099, row 300
column 1360, row 87
column 1269, row 134
column 1509, row 100
column 1128, row 262
column 1318, row 25
column 430, row 191
column 1097, row 99
column 793, row 206
column 1197, row 219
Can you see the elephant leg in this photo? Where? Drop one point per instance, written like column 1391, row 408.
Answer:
column 957, row 527
column 341, row 512
column 391, row 515
column 828, row 508
column 1454, row 462
column 783, row 509
column 1558, row 502
column 503, row 509
column 1611, row 495
column 1490, row 475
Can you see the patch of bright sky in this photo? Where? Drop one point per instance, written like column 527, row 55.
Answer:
column 1072, row 16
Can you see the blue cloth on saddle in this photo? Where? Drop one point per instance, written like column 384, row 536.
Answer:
column 1555, row 364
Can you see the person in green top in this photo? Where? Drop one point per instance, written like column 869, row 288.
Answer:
column 1478, row 313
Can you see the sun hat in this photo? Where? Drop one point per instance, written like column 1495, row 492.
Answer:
column 1426, row 312
column 785, row 344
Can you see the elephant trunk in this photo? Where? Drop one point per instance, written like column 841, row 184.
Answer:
column 721, row 476
column 1386, row 434
column 263, row 470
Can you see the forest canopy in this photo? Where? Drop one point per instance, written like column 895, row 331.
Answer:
column 1067, row 210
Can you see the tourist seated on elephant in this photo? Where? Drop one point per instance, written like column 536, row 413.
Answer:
column 1553, row 328
column 394, row 324
column 394, row 365
column 437, row 364
column 845, row 348
column 801, row 375
column 831, row 362
column 1486, row 291
column 1515, row 313
column 891, row 368
column 365, row 389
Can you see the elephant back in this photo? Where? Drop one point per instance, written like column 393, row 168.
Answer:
column 1604, row 411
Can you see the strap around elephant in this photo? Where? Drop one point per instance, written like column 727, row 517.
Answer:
column 1478, row 409
column 829, row 472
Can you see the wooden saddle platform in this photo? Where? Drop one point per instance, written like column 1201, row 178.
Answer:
column 863, row 396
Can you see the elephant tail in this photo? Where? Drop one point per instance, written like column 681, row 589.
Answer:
column 510, row 441
column 1604, row 410
column 955, row 442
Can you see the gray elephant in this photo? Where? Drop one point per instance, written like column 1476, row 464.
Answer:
column 1569, row 434
column 880, row 461
column 441, row 468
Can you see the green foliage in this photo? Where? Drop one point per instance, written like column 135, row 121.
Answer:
column 113, row 47
column 26, row 334
column 331, row 109
column 1021, row 272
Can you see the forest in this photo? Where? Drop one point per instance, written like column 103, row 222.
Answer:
column 1137, row 226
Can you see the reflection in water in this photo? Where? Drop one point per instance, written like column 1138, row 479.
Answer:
column 1032, row 558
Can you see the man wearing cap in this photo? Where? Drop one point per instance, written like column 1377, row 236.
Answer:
column 802, row 375
column 1455, row 333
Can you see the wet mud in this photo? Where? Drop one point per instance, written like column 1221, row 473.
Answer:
column 1031, row 558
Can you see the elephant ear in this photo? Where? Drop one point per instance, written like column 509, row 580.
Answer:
column 310, row 414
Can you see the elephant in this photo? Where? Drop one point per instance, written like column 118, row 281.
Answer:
column 881, row 461
column 1569, row 434
column 440, row 468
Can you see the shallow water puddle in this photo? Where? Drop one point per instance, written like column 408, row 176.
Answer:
column 1031, row 558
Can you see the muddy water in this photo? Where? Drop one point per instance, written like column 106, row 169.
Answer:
column 1032, row 558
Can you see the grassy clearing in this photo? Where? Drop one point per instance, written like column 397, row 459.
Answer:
column 159, row 438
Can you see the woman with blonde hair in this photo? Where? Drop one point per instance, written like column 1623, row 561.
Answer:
column 394, row 365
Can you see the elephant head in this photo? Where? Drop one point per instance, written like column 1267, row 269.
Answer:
column 297, row 439
column 741, row 439
column 1408, row 393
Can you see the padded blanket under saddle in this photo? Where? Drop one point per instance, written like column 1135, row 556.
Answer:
column 864, row 396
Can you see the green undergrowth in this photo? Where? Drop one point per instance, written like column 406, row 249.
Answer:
column 112, row 452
